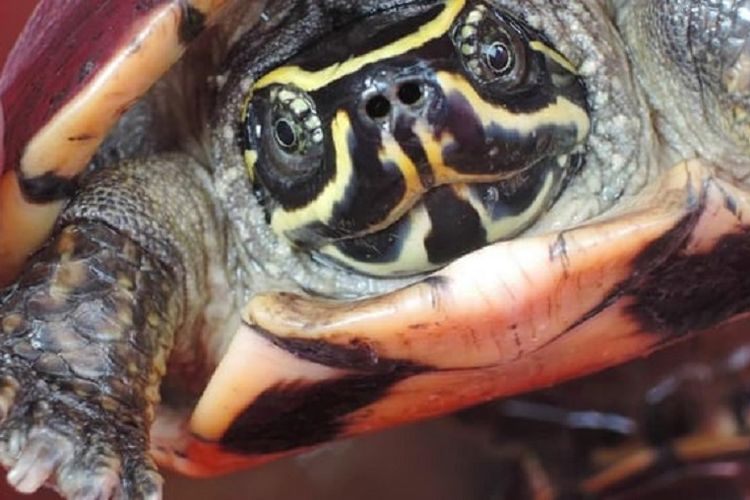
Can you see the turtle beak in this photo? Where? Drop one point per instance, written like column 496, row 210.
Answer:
column 512, row 317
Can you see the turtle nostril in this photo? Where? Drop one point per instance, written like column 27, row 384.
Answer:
column 378, row 107
column 410, row 93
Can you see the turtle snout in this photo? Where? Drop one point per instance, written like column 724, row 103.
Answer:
column 391, row 101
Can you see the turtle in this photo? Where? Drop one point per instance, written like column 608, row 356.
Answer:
column 329, row 217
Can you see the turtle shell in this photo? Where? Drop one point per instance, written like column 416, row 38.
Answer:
column 98, row 58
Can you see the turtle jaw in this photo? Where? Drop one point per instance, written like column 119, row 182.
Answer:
column 510, row 318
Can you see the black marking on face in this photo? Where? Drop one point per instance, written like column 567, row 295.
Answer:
column 512, row 196
column 192, row 24
column 368, row 203
column 47, row 187
column 381, row 247
column 297, row 415
column 414, row 149
column 497, row 149
column 354, row 40
column 456, row 226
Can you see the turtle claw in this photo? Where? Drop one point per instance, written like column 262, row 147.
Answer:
column 112, row 481
column 148, row 484
column 82, row 452
column 38, row 461
column 101, row 485
column 138, row 478
column 97, row 476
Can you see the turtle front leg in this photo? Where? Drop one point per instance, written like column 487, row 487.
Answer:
column 86, row 332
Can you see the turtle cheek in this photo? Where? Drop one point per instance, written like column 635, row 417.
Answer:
column 470, row 138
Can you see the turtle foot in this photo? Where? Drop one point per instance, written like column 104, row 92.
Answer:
column 84, row 336
column 81, row 449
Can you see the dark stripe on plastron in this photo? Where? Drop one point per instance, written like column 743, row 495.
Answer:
column 294, row 415
column 47, row 188
column 298, row 415
column 652, row 255
column 672, row 293
column 456, row 226
column 695, row 292
column 192, row 24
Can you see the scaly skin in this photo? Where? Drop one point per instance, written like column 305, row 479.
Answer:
column 87, row 331
column 692, row 57
column 82, row 364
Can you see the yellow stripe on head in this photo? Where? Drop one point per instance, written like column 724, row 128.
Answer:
column 509, row 225
column 392, row 152
column 560, row 112
column 554, row 55
column 251, row 158
column 312, row 81
column 322, row 208
column 412, row 257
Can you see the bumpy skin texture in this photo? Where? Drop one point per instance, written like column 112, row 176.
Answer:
column 693, row 58
column 83, row 364
column 88, row 329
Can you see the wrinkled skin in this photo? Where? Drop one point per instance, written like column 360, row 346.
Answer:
column 168, row 257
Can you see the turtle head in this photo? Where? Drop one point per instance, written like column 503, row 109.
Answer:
column 397, row 150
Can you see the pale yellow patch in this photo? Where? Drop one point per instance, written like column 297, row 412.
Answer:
column 413, row 257
column 509, row 225
column 251, row 158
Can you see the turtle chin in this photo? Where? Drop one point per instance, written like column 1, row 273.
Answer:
column 452, row 220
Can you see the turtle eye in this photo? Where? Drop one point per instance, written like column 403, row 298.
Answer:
column 491, row 46
column 285, row 144
column 286, row 134
column 498, row 57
